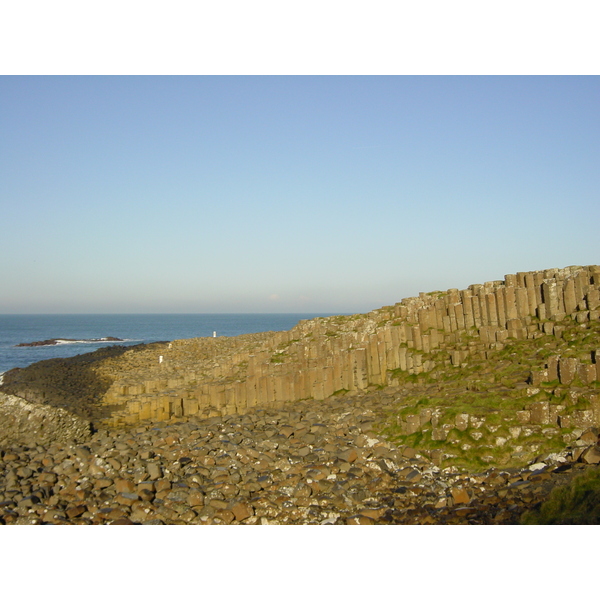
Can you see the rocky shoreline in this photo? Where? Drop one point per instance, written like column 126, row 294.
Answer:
column 23, row 421
column 307, row 463
column 70, row 383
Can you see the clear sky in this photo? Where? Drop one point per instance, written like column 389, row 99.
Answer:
column 288, row 194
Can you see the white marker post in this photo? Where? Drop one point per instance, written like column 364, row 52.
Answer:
column 214, row 334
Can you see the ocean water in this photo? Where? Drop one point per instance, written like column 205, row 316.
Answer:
column 134, row 329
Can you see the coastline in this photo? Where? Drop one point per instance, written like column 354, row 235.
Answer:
column 451, row 407
column 139, row 328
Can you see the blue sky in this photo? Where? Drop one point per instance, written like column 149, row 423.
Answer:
column 288, row 194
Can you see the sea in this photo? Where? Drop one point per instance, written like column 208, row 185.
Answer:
column 133, row 329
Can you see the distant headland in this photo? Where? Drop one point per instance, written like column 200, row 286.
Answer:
column 58, row 341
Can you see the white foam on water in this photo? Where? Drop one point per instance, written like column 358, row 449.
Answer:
column 60, row 342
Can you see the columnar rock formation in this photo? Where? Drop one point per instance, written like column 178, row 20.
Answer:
column 327, row 356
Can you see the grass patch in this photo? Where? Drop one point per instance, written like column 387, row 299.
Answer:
column 286, row 345
column 491, row 386
column 575, row 504
column 404, row 376
column 340, row 392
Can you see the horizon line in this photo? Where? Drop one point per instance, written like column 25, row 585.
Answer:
column 178, row 313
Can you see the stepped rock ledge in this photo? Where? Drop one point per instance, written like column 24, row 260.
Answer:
column 453, row 406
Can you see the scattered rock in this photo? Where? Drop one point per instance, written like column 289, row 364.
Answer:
column 591, row 455
column 227, row 471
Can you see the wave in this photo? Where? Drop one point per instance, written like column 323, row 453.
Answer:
column 70, row 342
column 59, row 342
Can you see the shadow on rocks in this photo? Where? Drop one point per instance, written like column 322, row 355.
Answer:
column 68, row 383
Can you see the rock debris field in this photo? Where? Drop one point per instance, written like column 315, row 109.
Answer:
column 309, row 463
